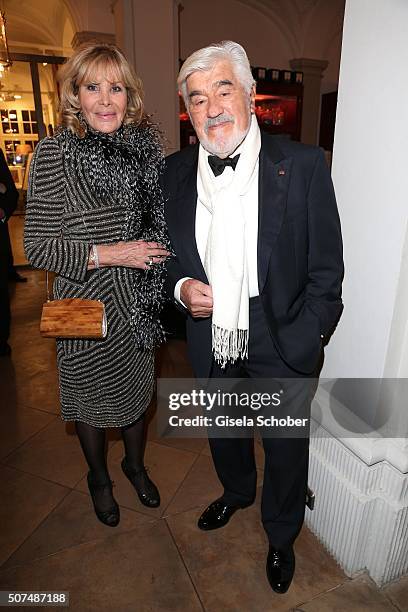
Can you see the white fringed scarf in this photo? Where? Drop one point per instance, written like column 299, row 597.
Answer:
column 225, row 258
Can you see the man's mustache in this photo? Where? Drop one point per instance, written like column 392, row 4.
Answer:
column 211, row 121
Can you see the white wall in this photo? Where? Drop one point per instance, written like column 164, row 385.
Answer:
column 365, row 475
column 370, row 173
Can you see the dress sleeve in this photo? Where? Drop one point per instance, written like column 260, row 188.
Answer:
column 44, row 244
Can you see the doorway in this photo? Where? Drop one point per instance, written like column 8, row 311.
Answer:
column 28, row 112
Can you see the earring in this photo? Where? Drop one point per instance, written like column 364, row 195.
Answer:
column 83, row 124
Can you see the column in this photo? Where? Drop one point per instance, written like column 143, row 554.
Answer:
column 148, row 34
column 312, row 76
column 359, row 449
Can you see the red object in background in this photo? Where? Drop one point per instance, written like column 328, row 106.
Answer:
column 277, row 114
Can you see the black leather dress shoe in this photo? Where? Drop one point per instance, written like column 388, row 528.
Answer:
column 280, row 567
column 145, row 488
column 217, row 515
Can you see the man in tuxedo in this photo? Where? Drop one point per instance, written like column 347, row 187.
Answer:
column 8, row 203
column 258, row 269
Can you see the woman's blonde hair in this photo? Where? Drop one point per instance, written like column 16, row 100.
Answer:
column 82, row 66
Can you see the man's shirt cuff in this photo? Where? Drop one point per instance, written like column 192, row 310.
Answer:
column 177, row 290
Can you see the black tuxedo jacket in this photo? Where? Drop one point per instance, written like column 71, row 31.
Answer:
column 300, row 264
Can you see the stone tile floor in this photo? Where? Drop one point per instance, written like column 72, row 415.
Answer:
column 156, row 560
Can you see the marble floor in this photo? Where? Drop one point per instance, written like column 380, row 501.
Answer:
column 155, row 560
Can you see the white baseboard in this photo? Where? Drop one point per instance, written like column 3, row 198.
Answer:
column 361, row 509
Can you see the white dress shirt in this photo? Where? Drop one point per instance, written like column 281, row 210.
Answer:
column 203, row 222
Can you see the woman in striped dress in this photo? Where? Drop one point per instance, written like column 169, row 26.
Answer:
column 95, row 217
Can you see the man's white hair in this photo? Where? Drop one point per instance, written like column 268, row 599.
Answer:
column 205, row 59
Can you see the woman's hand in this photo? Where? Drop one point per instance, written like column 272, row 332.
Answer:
column 134, row 254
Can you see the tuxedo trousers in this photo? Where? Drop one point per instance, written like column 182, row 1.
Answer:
column 286, row 458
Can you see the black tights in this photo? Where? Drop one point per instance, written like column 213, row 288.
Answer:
column 93, row 443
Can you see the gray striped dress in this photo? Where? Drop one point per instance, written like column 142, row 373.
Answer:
column 104, row 382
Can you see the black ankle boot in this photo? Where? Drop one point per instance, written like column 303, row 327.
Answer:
column 145, row 488
column 106, row 508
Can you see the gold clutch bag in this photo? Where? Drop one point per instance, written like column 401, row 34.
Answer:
column 73, row 318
